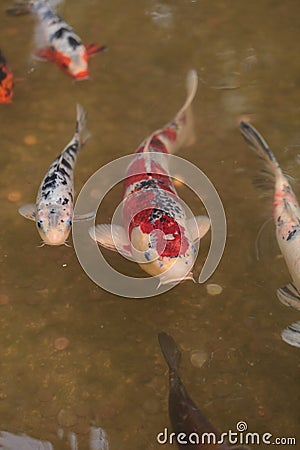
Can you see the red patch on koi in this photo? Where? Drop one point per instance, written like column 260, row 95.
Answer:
column 174, row 247
column 170, row 134
column 6, row 82
column 62, row 61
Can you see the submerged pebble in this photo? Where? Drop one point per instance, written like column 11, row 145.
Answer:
column 214, row 289
column 61, row 343
column 4, row 299
column 198, row 358
column 14, row 196
column 30, row 139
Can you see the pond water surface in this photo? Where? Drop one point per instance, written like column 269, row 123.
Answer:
column 112, row 374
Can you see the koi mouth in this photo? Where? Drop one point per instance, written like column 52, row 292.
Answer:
column 83, row 75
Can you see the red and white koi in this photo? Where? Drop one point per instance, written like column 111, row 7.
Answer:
column 156, row 232
column 6, row 81
column 53, row 210
column 56, row 41
column 287, row 220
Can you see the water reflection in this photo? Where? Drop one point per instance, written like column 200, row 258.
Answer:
column 161, row 14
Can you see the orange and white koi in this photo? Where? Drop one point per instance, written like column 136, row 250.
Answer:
column 6, row 81
column 287, row 220
column 56, row 41
column 156, row 232
column 53, row 210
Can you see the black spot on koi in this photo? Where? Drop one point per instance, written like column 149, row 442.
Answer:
column 73, row 42
column 291, row 234
column 59, row 33
column 286, row 189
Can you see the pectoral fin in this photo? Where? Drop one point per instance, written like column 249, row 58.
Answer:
column 87, row 216
column 291, row 334
column 28, row 211
column 112, row 237
column 44, row 54
column 289, row 296
column 198, row 227
column 94, row 49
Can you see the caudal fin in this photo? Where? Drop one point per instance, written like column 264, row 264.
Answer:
column 170, row 351
column 184, row 119
column 260, row 146
column 81, row 131
column 180, row 131
column 18, row 8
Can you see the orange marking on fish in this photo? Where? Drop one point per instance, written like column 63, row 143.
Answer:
column 6, row 82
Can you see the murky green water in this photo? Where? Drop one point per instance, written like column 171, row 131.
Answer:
column 112, row 374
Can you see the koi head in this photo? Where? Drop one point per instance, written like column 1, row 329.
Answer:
column 75, row 64
column 53, row 226
column 78, row 66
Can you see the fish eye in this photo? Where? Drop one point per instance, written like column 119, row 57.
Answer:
column 40, row 223
column 68, row 222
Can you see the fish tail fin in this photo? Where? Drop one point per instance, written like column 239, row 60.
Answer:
column 260, row 146
column 180, row 131
column 170, row 351
column 81, row 131
column 19, row 8
column 183, row 123
column 184, row 119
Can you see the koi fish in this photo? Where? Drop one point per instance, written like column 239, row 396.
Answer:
column 156, row 232
column 188, row 422
column 6, row 81
column 53, row 210
column 56, row 40
column 287, row 220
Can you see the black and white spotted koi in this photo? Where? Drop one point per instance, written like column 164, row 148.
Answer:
column 156, row 232
column 53, row 210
